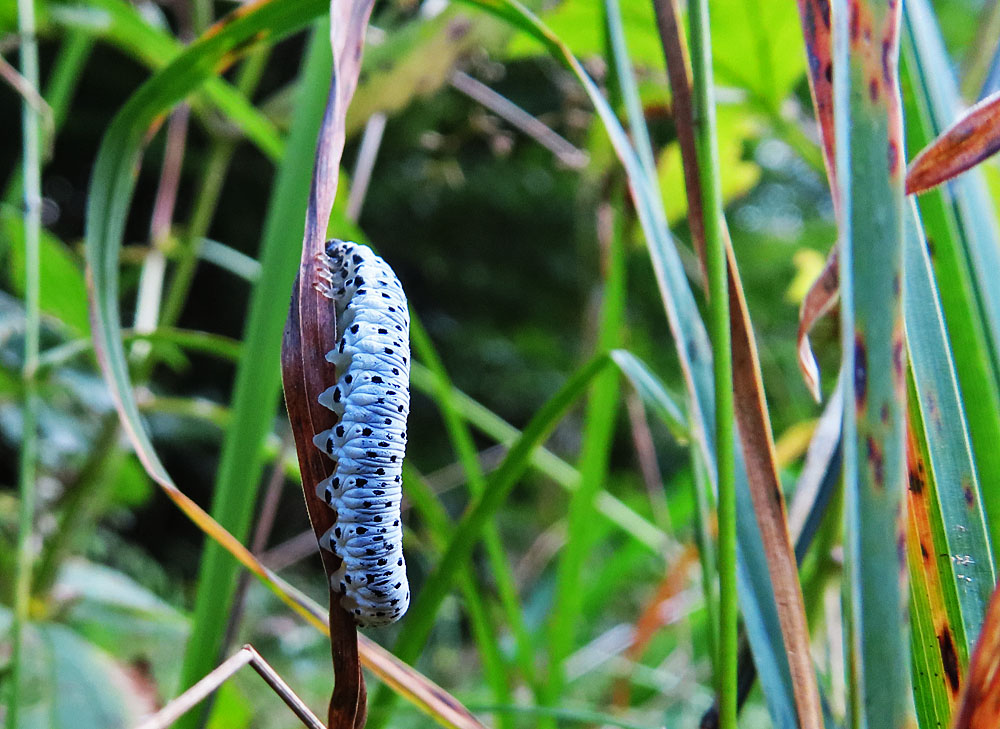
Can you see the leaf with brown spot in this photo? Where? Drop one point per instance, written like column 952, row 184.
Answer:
column 972, row 138
column 815, row 16
column 937, row 669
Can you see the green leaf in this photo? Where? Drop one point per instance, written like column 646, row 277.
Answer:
column 870, row 190
column 70, row 682
column 64, row 294
column 121, row 616
column 969, row 563
column 760, row 48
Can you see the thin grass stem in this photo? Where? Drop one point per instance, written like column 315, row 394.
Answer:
column 32, row 162
column 718, row 319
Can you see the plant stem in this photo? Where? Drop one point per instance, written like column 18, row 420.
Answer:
column 31, row 137
column 718, row 317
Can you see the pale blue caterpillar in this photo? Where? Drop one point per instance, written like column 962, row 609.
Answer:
column 372, row 401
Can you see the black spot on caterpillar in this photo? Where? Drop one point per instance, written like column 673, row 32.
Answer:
column 371, row 399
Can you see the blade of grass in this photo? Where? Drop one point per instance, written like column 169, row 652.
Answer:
column 122, row 24
column 870, row 180
column 545, row 461
column 596, row 439
column 717, row 275
column 257, row 385
column 937, row 667
column 969, row 564
column 652, row 392
column 31, row 160
column 966, row 248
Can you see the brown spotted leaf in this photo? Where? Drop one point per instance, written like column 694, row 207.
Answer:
column 971, row 139
column 815, row 16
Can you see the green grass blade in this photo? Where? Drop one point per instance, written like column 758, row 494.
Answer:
column 966, row 248
column 969, row 563
column 597, row 436
column 703, row 88
column 468, row 531
column 31, row 150
column 548, row 463
column 870, row 186
column 257, row 388
column 937, row 642
column 652, row 392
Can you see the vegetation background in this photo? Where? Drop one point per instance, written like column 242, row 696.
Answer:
column 521, row 255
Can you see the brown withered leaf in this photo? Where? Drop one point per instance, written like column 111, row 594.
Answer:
column 971, row 139
column 979, row 707
column 310, row 333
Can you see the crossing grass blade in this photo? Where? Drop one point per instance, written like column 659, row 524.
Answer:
column 970, row 139
column 544, row 460
column 468, row 531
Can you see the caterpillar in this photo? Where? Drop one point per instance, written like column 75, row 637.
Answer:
column 371, row 399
